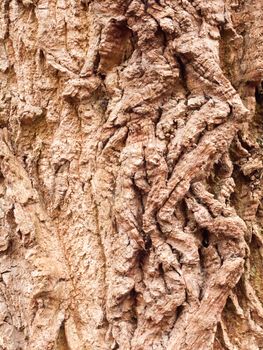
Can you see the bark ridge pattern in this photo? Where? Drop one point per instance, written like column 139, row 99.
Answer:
column 131, row 174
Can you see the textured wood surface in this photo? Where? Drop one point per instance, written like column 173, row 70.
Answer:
column 131, row 174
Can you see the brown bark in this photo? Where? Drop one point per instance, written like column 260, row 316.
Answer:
column 131, row 161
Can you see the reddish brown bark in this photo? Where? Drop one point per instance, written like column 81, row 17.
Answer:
column 131, row 162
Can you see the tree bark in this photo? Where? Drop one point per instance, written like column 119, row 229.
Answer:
column 131, row 174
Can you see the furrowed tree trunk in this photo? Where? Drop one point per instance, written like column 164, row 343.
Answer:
column 130, row 190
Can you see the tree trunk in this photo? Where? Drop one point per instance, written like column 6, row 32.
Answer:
column 130, row 189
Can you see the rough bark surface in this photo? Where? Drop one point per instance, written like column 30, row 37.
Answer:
column 130, row 188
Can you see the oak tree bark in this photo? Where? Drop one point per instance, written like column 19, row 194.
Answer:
column 131, row 174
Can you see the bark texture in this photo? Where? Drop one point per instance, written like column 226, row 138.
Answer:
column 131, row 160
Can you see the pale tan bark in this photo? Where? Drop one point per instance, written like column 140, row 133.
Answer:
column 131, row 161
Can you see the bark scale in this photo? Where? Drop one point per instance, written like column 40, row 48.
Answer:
column 131, row 187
